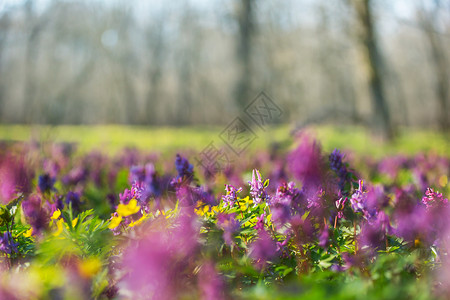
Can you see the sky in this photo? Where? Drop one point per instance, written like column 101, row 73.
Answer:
column 401, row 8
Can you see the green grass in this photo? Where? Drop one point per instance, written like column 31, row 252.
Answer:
column 111, row 138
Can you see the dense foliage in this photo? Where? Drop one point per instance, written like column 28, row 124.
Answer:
column 287, row 224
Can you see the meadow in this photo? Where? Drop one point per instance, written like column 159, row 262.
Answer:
column 120, row 212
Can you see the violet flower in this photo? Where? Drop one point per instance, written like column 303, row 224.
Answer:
column 229, row 225
column 434, row 199
column 184, row 168
column 263, row 249
column 230, row 198
column 45, row 183
column 210, row 283
column 358, row 198
column 73, row 198
column 35, row 214
column 338, row 166
column 7, row 244
column 305, row 163
column 257, row 188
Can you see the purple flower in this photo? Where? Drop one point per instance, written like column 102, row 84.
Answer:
column 290, row 196
column 302, row 229
column 184, row 168
column 416, row 224
column 282, row 249
column 137, row 173
column 15, row 177
column 281, row 214
column 260, row 222
column 7, row 244
column 152, row 181
column 211, row 283
column 45, row 183
column 324, row 237
column 392, row 165
column 136, row 192
column 230, row 198
column 337, row 165
column 340, row 205
column 305, row 163
column 373, row 233
column 188, row 196
column 160, row 265
column 35, row 214
column 434, row 199
column 75, row 176
column 358, row 199
column 263, row 249
column 257, row 188
column 73, row 198
column 229, row 225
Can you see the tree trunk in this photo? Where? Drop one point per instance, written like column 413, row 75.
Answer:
column 246, row 29
column 373, row 64
column 440, row 67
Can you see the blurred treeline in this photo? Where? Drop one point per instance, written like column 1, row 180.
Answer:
column 201, row 62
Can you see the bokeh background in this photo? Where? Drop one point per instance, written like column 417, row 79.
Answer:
column 377, row 63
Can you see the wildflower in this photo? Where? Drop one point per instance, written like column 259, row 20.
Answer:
column 184, row 168
column 263, row 249
column 7, row 244
column 28, row 233
column 373, row 232
column 45, row 183
column 229, row 225
column 138, row 222
column 35, row 214
column 392, row 165
column 282, row 247
column 230, row 198
column 73, row 199
column 115, row 221
column 340, row 204
column 56, row 215
column 415, row 224
column 159, row 265
column 128, row 209
column 15, row 178
column 260, row 222
column 75, row 176
column 305, row 163
column 337, row 165
column 137, row 173
column 211, row 284
column 59, row 227
column 89, row 267
column 358, row 198
column 258, row 188
column 324, row 237
column 434, row 199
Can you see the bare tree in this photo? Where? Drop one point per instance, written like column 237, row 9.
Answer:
column 246, row 22
column 427, row 20
column 373, row 65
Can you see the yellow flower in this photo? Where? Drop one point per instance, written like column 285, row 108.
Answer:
column 74, row 222
column 88, row 268
column 201, row 209
column 59, row 226
column 132, row 224
column 128, row 209
column 56, row 214
column 28, row 233
column 115, row 221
